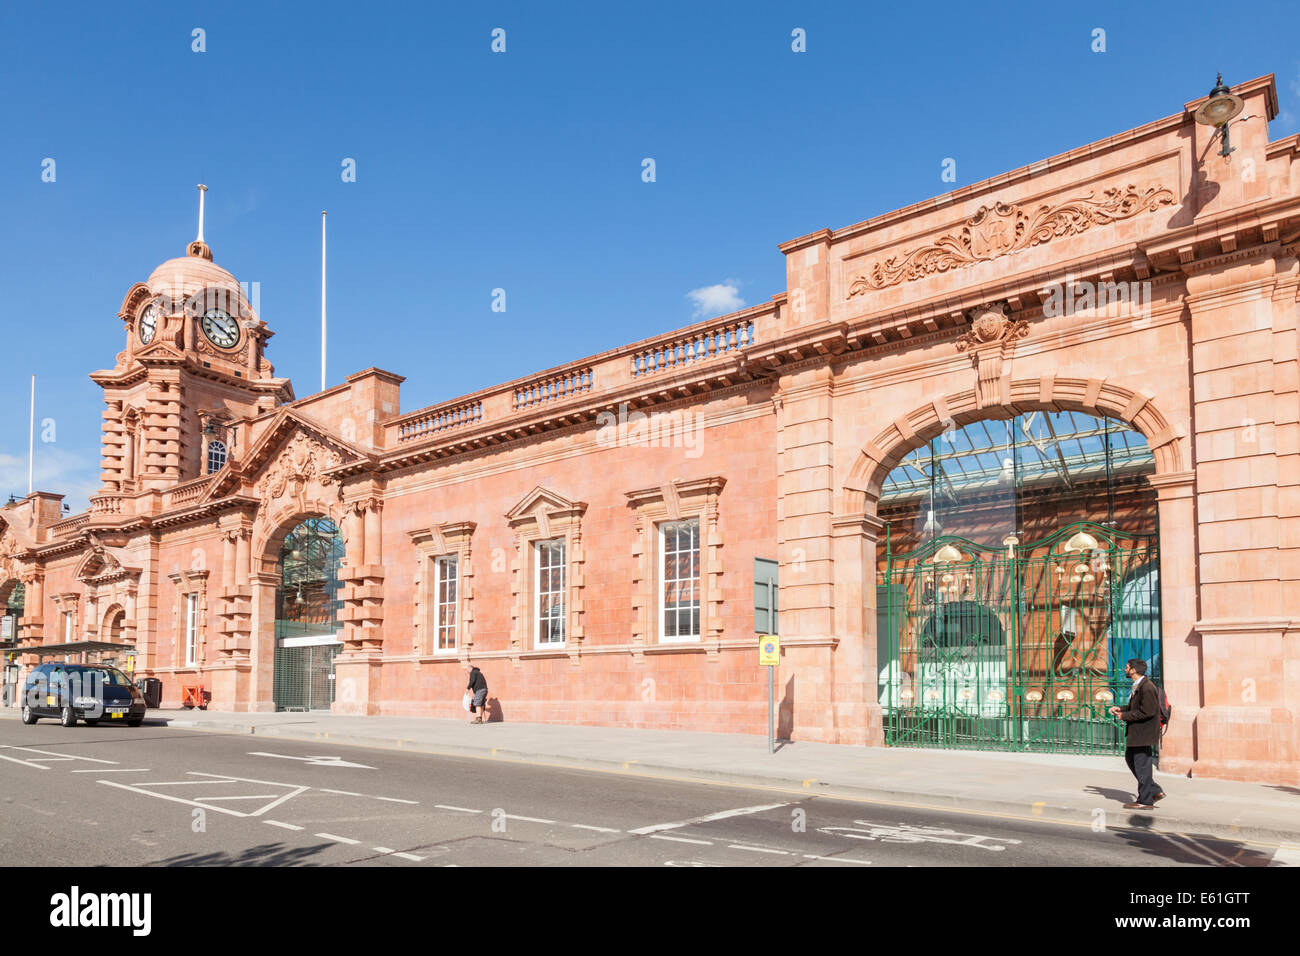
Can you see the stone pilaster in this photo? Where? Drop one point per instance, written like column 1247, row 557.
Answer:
column 358, row 667
column 1244, row 357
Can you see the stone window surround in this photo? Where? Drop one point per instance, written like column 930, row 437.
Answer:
column 67, row 606
column 678, row 500
column 531, row 525
column 190, row 581
column 448, row 539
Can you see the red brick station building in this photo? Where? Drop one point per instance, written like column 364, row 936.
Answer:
column 977, row 454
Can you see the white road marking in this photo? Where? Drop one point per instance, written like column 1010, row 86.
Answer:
column 25, row 763
column 337, row 839
column 657, row 836
column 707, row 818
column 757, row 849
column 511, row 816
column 689, row 863
column 905, row 833
column 1286, row 855
column 287, row 826
column 211, row 779
column 252, row 796
column 583, row 826
column 318, row 761
column 836, row 859
column 164, row 796
column 50, row 757
column 443, row 806
column 53, row 755
column 397, row 800
column 382, row 849
column 411, row 856
column 344, row 793
column 184, row 783
column 108, row 770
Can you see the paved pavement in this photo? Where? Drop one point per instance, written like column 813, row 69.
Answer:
column 1062, row 788
column 165, row 796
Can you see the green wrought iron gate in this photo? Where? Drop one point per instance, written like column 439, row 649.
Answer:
column 1017, row 648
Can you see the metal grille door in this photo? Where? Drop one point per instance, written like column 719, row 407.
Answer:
column 304, row 676
column 1018, row 648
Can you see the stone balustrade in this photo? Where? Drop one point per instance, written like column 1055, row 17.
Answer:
column 189, row 491
column 612, row 371
column 440, row 418
column 70, row 526
column 694, row 346
column 106, row 504
column 553, row 388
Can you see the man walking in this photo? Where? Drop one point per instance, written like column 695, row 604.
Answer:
column 478, row 686
column 1142, row 715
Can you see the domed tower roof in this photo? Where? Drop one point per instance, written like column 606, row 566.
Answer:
column 195, row 273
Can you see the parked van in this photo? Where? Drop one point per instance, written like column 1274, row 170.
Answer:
column 88, row 692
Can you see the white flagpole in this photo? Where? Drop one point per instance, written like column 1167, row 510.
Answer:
column 31, row 440
column 202, row 190
column 322, row 300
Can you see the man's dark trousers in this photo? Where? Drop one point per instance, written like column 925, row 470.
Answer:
column 1139, row 761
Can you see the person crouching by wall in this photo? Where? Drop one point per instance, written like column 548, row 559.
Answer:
column 478, row 687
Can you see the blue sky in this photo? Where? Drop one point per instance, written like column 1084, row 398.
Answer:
column 520, row 170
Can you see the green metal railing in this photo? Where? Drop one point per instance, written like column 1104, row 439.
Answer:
column 1016, row 648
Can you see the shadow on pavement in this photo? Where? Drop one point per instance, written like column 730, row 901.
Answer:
column 1191, row 850
column 1119, row 796
column 268, row 854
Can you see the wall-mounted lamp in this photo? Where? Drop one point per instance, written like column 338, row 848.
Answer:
column 1222, row 107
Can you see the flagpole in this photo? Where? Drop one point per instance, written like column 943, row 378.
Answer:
column 322, row 300
column 31, row 439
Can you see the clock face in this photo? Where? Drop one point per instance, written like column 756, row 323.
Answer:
column 148, row 324
column 220, row 328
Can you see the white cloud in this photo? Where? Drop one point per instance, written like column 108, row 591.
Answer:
column 716, row 299
column 70, row 473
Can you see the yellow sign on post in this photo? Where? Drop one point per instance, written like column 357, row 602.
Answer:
column 769, row 650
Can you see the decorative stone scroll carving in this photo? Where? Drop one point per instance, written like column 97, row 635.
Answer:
column 1007, row 227
column 301, row 461
column 991, row 340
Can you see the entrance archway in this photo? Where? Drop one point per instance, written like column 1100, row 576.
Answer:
column 307, row 605
column 1016, row 572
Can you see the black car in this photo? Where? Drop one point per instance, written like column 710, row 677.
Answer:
column 88, row 692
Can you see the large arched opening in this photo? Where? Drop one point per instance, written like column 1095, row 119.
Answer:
column 307, row 618
column 1017, row 569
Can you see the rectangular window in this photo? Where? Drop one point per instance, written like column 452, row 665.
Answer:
column 446, row 580
column 68, row 636
column 191, row 629
column 679, row 594
column 765, row 592
column 548, row 585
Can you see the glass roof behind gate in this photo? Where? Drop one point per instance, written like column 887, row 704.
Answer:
column 1036, row 448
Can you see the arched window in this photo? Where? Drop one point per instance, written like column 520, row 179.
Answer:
column 216, row 456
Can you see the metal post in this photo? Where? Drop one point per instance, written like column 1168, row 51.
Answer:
column 771, row 696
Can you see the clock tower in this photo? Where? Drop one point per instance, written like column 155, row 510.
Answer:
column 194, row 364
